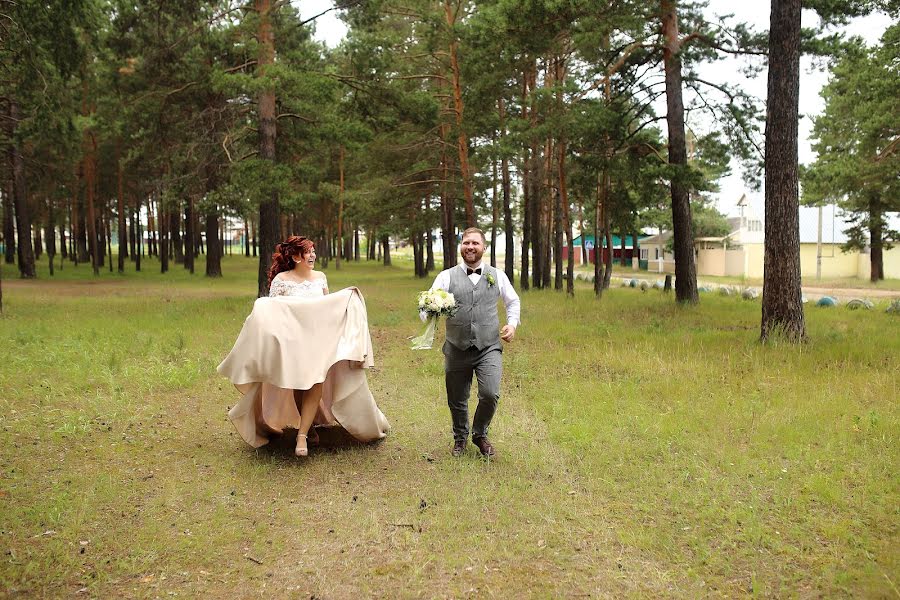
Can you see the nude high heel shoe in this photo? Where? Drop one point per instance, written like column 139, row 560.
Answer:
column 301, row 451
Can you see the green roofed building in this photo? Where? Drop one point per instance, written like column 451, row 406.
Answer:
column 622, row 248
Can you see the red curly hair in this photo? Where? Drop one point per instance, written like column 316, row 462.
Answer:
column 283, row 258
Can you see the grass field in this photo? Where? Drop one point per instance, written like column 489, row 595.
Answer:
column 644, row 450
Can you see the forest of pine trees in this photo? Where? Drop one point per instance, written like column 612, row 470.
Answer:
column 148, row 128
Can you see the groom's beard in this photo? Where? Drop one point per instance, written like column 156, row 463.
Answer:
column 472, row 258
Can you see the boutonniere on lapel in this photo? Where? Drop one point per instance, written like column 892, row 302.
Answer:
column 490, row 279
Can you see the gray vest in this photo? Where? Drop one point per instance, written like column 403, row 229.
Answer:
column 476, row 322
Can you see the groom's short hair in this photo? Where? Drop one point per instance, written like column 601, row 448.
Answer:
column 475, row 230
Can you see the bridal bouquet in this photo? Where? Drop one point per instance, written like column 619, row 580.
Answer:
column 434, row 303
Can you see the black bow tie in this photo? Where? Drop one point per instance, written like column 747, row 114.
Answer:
column 470, row 271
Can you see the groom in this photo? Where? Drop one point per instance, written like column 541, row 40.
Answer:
column 473, row 339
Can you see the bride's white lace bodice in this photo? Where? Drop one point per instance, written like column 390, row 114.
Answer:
column 302, row 289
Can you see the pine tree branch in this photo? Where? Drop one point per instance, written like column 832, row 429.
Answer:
column 182, row 88
column 426, row 76
column 296, row 116
column 711, row 43
column 731, row 102
column 889, row 150
column 239, row 67
column 423, row 182
column 206, row 23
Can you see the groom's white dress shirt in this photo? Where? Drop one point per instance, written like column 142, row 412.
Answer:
column 506, row 289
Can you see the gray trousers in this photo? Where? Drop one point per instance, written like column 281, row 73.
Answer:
column 459, row 366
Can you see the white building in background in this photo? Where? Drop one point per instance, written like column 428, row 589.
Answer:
column 741, row 253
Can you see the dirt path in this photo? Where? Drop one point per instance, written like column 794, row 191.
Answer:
column 848, row 293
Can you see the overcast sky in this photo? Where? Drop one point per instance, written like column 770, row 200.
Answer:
column 331, row 30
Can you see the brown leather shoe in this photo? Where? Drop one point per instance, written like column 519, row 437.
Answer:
column 485, row 446
column 459, row 448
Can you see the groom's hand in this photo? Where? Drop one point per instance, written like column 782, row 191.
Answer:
column 507, row 333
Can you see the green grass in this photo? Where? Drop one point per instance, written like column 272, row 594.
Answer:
column 645, row 450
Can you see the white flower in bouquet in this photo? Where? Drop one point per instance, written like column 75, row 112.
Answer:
column 434, row 303
column 437, row 303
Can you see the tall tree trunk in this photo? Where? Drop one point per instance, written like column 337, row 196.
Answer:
column 462, row 139
column 9, row 224
column 190, row 235
column 120, row 200
column 566, row 220
column 448, row 206
column 38, row 236
column 557, row 240
column 90, row 148
column 418, row 254
column 138, row 234
column 224, row 240
column 268, row 208
column 548, row 193
column 876, row 241
column 63, row 247
column 24, row 248
column 599, row 206
column 509, row 262
column 164, row 223
column 177, row 242
column 547, row 198
column 73, row 220
column 495, row 208
column 340, row 220
column 323, row 247
column 198, row 235
column 685, row 269
column 132, row 232
column 558, row 76
column 246, row 238
column 527, row 202
column 782, row 306
column 583, row 229
column 386, row 250
column 100, row 228
column 152, row 220
column 50, row 234
column 79, row 224
column 608, row 257
column 429, row 237
column 107, row 219
column 80, row 230
column 534, row 201
column 213, row 245
column 524, row 274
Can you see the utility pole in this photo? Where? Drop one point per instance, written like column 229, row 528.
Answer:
column 819, row 247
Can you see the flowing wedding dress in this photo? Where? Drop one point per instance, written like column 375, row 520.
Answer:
column 293, row 340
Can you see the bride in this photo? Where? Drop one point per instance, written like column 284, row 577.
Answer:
column 299, row 359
